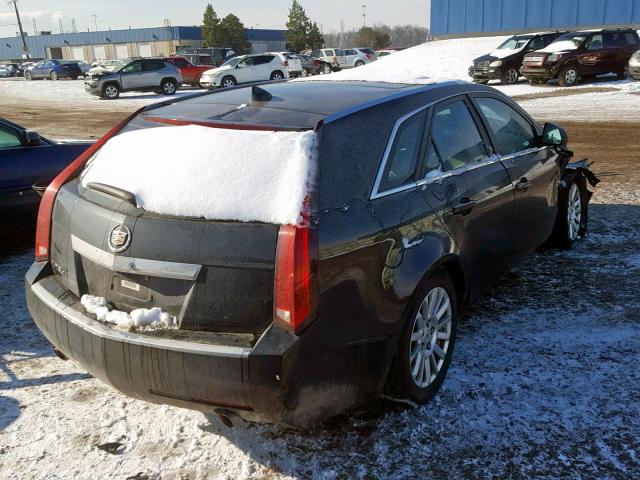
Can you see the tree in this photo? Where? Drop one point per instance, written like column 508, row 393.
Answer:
column 210, row 27
column 233, row 34
column 298, row 27
column 314, row 38
column 371, row 37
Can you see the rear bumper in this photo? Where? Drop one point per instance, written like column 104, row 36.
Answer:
column 485, row 73
column 281, row 378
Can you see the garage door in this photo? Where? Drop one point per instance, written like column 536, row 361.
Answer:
column 99, row 52
column 78, row 53
column 122, row 51
column 145, row 50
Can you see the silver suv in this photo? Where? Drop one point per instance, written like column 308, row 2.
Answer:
column 141, row 75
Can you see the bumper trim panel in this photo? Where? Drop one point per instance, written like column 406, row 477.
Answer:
column 100, row 330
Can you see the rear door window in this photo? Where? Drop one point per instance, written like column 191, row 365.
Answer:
column 511, row 131
column 404, row 154
column 152, row 65
column 456, row 136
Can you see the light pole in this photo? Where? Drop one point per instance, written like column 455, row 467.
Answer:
column 364, row 15
column 25, row 49
column 95, row 21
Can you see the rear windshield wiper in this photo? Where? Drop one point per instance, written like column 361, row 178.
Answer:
column 114, row 192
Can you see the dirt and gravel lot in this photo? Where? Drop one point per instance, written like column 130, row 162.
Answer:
column 544, row 381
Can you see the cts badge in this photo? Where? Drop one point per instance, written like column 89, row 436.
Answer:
column 119, row 238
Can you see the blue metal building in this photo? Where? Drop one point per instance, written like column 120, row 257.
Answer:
column 467, row 17
column 110, row 44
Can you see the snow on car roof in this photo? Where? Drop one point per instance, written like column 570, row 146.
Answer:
column 247, row 176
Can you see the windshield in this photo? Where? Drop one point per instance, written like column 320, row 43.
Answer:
column 515, row 43
column 232, row 63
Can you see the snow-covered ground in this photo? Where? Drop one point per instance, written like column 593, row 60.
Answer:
column 544, row 383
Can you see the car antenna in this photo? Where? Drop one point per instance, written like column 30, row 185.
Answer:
column 260, row 94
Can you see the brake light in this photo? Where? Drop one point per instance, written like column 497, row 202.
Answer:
column 43, row 225
column 295, row 285
column 369, row 56
column 285, row 63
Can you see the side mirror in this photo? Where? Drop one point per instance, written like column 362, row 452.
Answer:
column 554, row 136
column 33, row 138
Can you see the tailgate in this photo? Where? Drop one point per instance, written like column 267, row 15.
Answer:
column 212, row 276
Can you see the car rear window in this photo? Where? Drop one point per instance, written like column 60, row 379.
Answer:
column 403, row 156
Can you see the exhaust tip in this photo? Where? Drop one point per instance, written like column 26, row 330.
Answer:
column 229, row 418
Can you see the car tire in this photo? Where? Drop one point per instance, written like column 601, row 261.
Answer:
column 53, row 76
column 481, row 82
column 74, row 78
column 110, row 91
column 569, row 76
column 28, row 76
column 426, row 345
column 624, row 74
column 510, row 77
column 277, row 75
column 326, row 69
column 228, row 82
column 168, row 87
column 573, row 215
column 359, row 63
column 305, row 72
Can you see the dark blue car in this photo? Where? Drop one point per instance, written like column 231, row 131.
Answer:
column 27, row 159
column 53, row 70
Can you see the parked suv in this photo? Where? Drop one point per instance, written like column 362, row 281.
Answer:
column 582, row 55
column 333, row 59
column 311, row 251
column 140, row 75
column 357, row 57
column 190, row 73
column 246, row 69
column 53, row 70
column 504, row 63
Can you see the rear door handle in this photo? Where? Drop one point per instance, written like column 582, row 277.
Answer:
column 523, row 185
column 465, row 207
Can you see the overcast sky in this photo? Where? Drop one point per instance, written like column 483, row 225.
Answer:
column 257, row 13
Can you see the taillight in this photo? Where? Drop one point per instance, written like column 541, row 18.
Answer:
column 285, row 63
column 295, row 286
column 43, row 225
column 369, row 56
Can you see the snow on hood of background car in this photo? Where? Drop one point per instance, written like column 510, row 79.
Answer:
column 248, row 176
column 559, row 46
column 505, row 52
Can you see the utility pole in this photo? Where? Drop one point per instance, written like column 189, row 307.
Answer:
column 35, row 26
column 364, row 15
column 74, row 28
column 95, row 21
column 25, row 49
column 61, row 26
column 341, row 41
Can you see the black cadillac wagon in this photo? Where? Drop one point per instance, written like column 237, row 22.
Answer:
column 424, row 195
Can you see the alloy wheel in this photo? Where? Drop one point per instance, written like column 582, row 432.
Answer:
column 574, row 212
column 512, row 76
column 169, row 88
column 277, row 76
column 228, row 83
column 430, row 337
column 54, row 76
column 570, row 77
column 110, row 91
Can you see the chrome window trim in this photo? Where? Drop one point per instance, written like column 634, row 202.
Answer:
column 137, row 266
column 97, row 329
column 375, row 193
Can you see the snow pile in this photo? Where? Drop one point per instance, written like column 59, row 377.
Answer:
column 217, row 174
column 431, row 62
column 143, row 318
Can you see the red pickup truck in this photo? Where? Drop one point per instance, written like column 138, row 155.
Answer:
column 190, row 73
